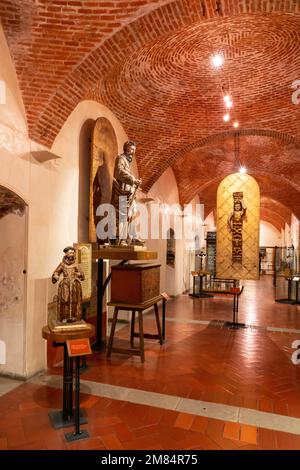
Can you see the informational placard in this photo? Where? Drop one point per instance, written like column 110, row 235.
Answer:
column 235, row 290
column 79, row 347
column 84, row 260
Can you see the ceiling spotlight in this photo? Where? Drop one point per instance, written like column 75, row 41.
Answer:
column 217, row 60
column 226, row 117
column 243, row 170
column 236, row 124
column 227, row 98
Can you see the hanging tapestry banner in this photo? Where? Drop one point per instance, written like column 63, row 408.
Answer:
column 238, row 214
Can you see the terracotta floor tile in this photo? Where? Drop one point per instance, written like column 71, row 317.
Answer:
column 3, row 443
column 250, row 402
column 281, row 408
column 28, row 405
column 153, row 429
column 265, row 405
column 266, row 439
column 286, row 441
column 35, row 423
column 34, row 445
column 249, row 447
column 232, row 431
column 86, row 444
column 248, row 434
column 200, row 441
column 215, row 428
column 122, row 432
column 99, row 431
column 168, row 417
column 107, row 420
column 88, row 401
column 199, row 424
column 15, row 437
column 112, row 442
column 143, row 443
column 184, row 421
column 247, row 367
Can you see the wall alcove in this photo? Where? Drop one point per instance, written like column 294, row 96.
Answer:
column 13, row 248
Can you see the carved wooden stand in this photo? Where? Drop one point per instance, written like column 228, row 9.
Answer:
column 65, row 417
column 116, row 254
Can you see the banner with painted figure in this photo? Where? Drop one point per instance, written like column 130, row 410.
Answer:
column 238, row 216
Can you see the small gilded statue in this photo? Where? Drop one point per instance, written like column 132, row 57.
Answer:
column 69, row 301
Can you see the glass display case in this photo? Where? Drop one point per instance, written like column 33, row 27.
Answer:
column 266, row 254
column 286, row 275
column 222, row 286
column 210, row 284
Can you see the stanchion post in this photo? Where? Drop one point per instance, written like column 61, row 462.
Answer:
column 164, row 319
column 77, row 434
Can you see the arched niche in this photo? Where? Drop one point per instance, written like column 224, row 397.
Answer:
column 104, row 149
column 13, row 255
column 84, row 180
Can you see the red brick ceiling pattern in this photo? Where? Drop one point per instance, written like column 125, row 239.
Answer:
column 149, row 62
column 273, row 163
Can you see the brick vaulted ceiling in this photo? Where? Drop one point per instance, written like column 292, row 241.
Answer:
column 149, row 62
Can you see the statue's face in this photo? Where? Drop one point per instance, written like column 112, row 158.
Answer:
column 70, row 257
column 130, row 151
column 237, row 206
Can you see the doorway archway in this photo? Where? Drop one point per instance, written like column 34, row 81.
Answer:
column 13, row 249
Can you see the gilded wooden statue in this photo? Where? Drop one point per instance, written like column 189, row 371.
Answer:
column 69, row 298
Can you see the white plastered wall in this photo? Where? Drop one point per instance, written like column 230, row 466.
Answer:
column 50, row 189
column 269, row 235
column 49, row 186
column 294, row 231
column 14, row 175
column 174, row 280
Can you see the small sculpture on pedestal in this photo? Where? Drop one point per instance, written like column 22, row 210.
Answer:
column 69, row 297
column 202, row 257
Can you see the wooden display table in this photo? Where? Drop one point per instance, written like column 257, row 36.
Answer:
column 65, row 417
column 136, row 308
column 116, row 254
column 201, row 274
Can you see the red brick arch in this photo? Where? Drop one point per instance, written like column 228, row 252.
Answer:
column 278, row 199
column 284, row 212
column 272, row 218
column 280, row 137
column 271, row 157
column 56, row 71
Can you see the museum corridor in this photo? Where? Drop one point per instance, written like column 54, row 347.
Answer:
column 207, row 387
column 150, row 154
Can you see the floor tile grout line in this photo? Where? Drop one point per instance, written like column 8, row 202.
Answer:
column 207, row 322
column 10, row 388
column 211, row 410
